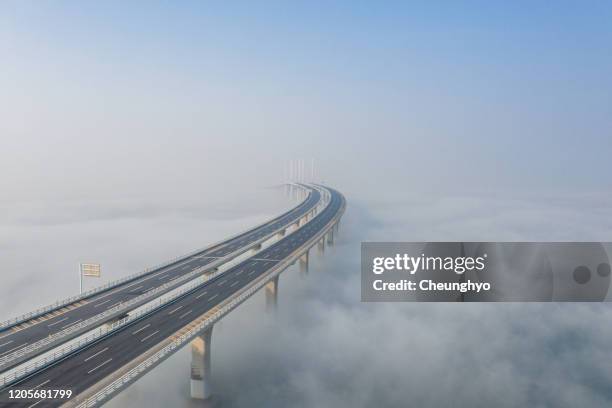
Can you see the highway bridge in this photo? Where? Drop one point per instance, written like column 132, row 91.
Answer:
column 96, row 368
column 27, row 337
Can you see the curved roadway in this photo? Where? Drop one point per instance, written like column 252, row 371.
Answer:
column 13, row 339
column 94, row 362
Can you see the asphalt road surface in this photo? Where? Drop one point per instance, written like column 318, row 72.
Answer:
column 94, row 362
column 20, row 336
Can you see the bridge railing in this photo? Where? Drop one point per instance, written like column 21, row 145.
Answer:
column 150, row 362
column 99, row 332
column 13, row 375
column 61, row 303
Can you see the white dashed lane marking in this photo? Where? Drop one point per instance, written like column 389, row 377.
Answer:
column 141, row 329
column 41, row 384
column 59, row 321
column 4, row 344
column 100, row 304
column 185, row 314
column 71, row 324
column 149, row 336
column 94, row 355
column 172, row 311
column 100, row 365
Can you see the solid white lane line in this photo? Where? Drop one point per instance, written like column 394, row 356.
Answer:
column 234, row 284
column 141, row 329
column 185, row 314
column 14, row 348
column 100, row 304
column 163, row 277
column 59, row 321
column 40, row 385
column 115, row 304
column 4, row 344
column 149, row 336
column 92, row 356
column 71, row 324
column 138, row 287
column 201, row 294
column 172, row 311
column 213, row 297
column 98, row 366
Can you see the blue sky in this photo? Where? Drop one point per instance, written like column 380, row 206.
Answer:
column 498, row 95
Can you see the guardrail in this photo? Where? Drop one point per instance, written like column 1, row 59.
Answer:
column 16, row 374
column 244, row 294
column 100, row 317
column 100, row 332
column 61, row 303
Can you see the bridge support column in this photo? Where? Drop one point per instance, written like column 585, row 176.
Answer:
column 304, row 263
column 321, row 245
column 330, row 236
column 200, row 365
column 272, row 294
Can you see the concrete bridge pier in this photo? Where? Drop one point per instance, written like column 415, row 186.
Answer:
column 304, row 263
column 200, row 365
column 272, row 294
column 321, row 245
column 330, row 236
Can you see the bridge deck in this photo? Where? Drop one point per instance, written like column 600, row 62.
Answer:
column 97, row 361
column 15, row 341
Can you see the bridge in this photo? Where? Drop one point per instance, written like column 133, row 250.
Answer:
column 97, row 344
